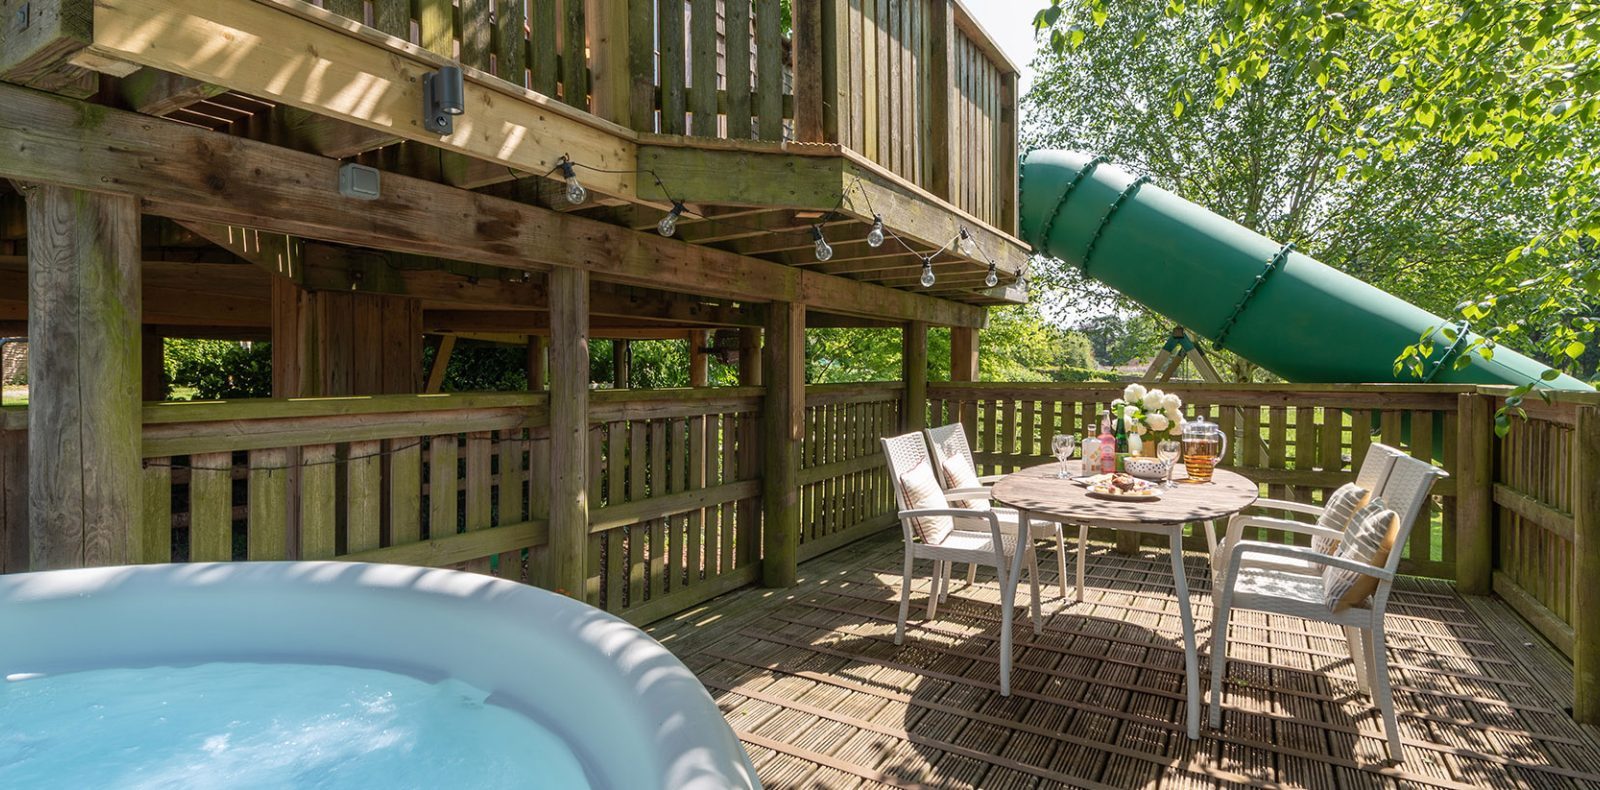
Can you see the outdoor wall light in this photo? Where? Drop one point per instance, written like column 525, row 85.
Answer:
column 875, row 236
column 824, row 252
column 443, row 97
column 669, row 224
column 575, row 192
column 927, row 272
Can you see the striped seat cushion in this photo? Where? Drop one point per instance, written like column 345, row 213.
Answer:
column 1369, row 540
column 1337, row 512
column 960, row 474
column 920, row 490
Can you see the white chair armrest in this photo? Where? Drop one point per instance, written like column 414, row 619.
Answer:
column 1285, row 504
column 1239, row 523
column 990, row 480
column 958, row 514
column 1306, row 553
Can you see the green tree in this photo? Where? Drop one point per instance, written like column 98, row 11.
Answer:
column 219, row 369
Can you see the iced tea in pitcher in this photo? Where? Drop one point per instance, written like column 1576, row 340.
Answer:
column 1204, row 444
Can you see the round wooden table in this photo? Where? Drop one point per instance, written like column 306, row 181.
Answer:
column 1036, row 492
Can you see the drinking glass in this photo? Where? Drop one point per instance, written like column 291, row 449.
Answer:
column 1169, row 450
column 1061, row 445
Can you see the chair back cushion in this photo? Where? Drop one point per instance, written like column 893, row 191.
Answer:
column 919, row 489
column 958, row 473
column 1337, row 512
column 1370, row 539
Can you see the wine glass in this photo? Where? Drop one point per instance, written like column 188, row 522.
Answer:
column 1169, row 450
column 1061, row 445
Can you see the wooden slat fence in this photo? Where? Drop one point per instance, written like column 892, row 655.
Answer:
column 1298, row 442
column 674, row 493
column 844, row 485
column 1538, row 483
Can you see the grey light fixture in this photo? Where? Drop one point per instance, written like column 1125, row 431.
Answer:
column 359, row 181
column 443, row 97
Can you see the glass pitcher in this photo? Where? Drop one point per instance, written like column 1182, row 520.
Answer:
column 1204, row 444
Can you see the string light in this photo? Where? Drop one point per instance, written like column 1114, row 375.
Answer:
column 993, row 277
column 968, row 245
column 669, row 224
column 824, row 252
column 575, row 192
column 875, row 236
column 927, row 272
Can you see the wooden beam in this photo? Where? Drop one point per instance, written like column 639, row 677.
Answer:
column 914, row 372
column 152, row 365
column 193, row 174
column 41, row 39
column 276, row 253
column 538, row 361
column 621, row 375
column 699, row 361
column 441, row 363
column 294, row 53
column 783, row 416
column 174, row 294
column 569, row 432
column 83, row 417
column 157, row 92
column 1586, row 565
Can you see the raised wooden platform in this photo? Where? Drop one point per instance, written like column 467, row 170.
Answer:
column 822, row 698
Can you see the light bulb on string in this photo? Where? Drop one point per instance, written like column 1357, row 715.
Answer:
column 824, row 252
column 575, row 192
column 967, row 244
column 669, row 224
column 927, row 272
column 993, row 277
column 875, row 236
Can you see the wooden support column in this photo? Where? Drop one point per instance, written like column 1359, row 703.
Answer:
column 569, row 430
column 1474, row 495
column 943, row 120
column 750, row 458
column 538, row 349
column 441, row 362
column 152, row 366
column 1586, row 566
column 699, row 362
column 785, row 371
column 914, row 372
column 621, row 376
column 809, row 88
column 83, row 375
column 964, row 367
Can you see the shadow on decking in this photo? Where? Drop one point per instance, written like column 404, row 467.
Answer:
column 823, row 698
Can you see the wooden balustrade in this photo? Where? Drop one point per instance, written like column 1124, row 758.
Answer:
column 1299, row 442
column 844, row 485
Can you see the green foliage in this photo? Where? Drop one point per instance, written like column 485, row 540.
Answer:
column 219, row 369
column 1447, row 150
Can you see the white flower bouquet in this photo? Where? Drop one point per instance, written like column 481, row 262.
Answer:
column 1152, row 415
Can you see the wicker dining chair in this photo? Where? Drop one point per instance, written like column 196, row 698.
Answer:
column 1372, row 475
column 950, row 441
column 984, row 542
column 1276, row 591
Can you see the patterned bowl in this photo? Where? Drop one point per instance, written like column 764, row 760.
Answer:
column 1146, row 467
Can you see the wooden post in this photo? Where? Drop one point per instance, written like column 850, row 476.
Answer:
column 1474, row 495
column 1586, row 565
column 785, row 371
column 152, row 366
column 699, row 363
column 1005, row 164
column 441, row 363
column 569, row 430
column 750, row 457
column 809, row 88
column 610, row 72
column 964, row 367
column 914, row 372
column 621, row 375
column 538, row 351
column 83, row 375
column 943, row 124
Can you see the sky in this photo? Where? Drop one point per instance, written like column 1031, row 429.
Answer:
column 1010, row 23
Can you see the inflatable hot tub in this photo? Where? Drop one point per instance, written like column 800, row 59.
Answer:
column 163, row 674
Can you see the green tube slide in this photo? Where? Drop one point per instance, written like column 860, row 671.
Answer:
column 1279, row 308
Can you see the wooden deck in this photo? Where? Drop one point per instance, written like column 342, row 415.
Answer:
column 822, row 698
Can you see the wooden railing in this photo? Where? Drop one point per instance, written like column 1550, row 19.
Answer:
column 912, row 85
column 674, row 513
column 1299, row 442
column 844, row 493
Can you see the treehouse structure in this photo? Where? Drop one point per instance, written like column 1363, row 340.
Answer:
column 357, row 180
